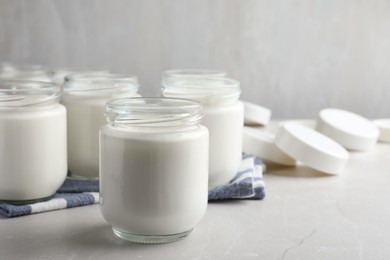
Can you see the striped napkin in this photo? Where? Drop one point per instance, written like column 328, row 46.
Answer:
column 247, row 184
column 72, row 193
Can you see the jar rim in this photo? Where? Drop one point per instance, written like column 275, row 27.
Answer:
column 20, row 93
column 24, row 72
column 205, row 89
column 58, row 75
column 23, row 68
column 153, row 112
column 193, row 73
column 152, row 103
column 106, row 81
column 72, row 71
column 99, row 76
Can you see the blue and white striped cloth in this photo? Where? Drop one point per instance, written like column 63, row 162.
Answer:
column 247, row 184
column 72, row 193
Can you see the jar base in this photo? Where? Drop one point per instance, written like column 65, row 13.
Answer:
column 150, row 239
column 24, row 202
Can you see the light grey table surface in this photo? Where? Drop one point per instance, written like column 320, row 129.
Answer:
column 306, row 215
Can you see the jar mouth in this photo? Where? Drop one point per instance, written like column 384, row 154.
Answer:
column 192, row 73
column 155, row 112
column 26, row 68
column 204, row 89
column 103, row 82
column 59, row 74
column 19, row 93
column 24, row 72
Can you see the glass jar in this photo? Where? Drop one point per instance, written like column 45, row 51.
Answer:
column 25, row 72
column 223, row 116
column 153, row 168
column 33, row 162
column 85, row 97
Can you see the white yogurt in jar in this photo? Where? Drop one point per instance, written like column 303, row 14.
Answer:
column 154, row 169
column 85, row 96
column 84, row 120
column 223, row 116
column 225, row 125
column 33, row 162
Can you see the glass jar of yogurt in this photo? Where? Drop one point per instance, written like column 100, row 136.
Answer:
column 153, row 168
column 33, row 162
column 85, row 97
column 223, row 116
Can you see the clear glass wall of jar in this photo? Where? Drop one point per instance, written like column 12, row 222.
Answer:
column 85, row 97
column 154, row 168
column 24, row 72
column 33, row 162
column 223, row 116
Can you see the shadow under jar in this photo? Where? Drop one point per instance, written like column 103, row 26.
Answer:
column 85, row 97
column 153, row 168
column 33, row 162
column 223, row 116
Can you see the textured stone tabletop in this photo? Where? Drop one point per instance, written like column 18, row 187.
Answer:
column 306, row 215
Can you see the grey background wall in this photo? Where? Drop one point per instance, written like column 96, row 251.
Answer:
column 294, row 57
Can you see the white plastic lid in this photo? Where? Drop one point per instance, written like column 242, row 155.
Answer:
column 311, row 148
column 255, row 114
column 384, row 129
column 261, row 144
column 352, row 131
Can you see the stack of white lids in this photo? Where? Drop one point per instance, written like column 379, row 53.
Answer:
column 255, row 114
column 261, row 144
column 321, row 145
